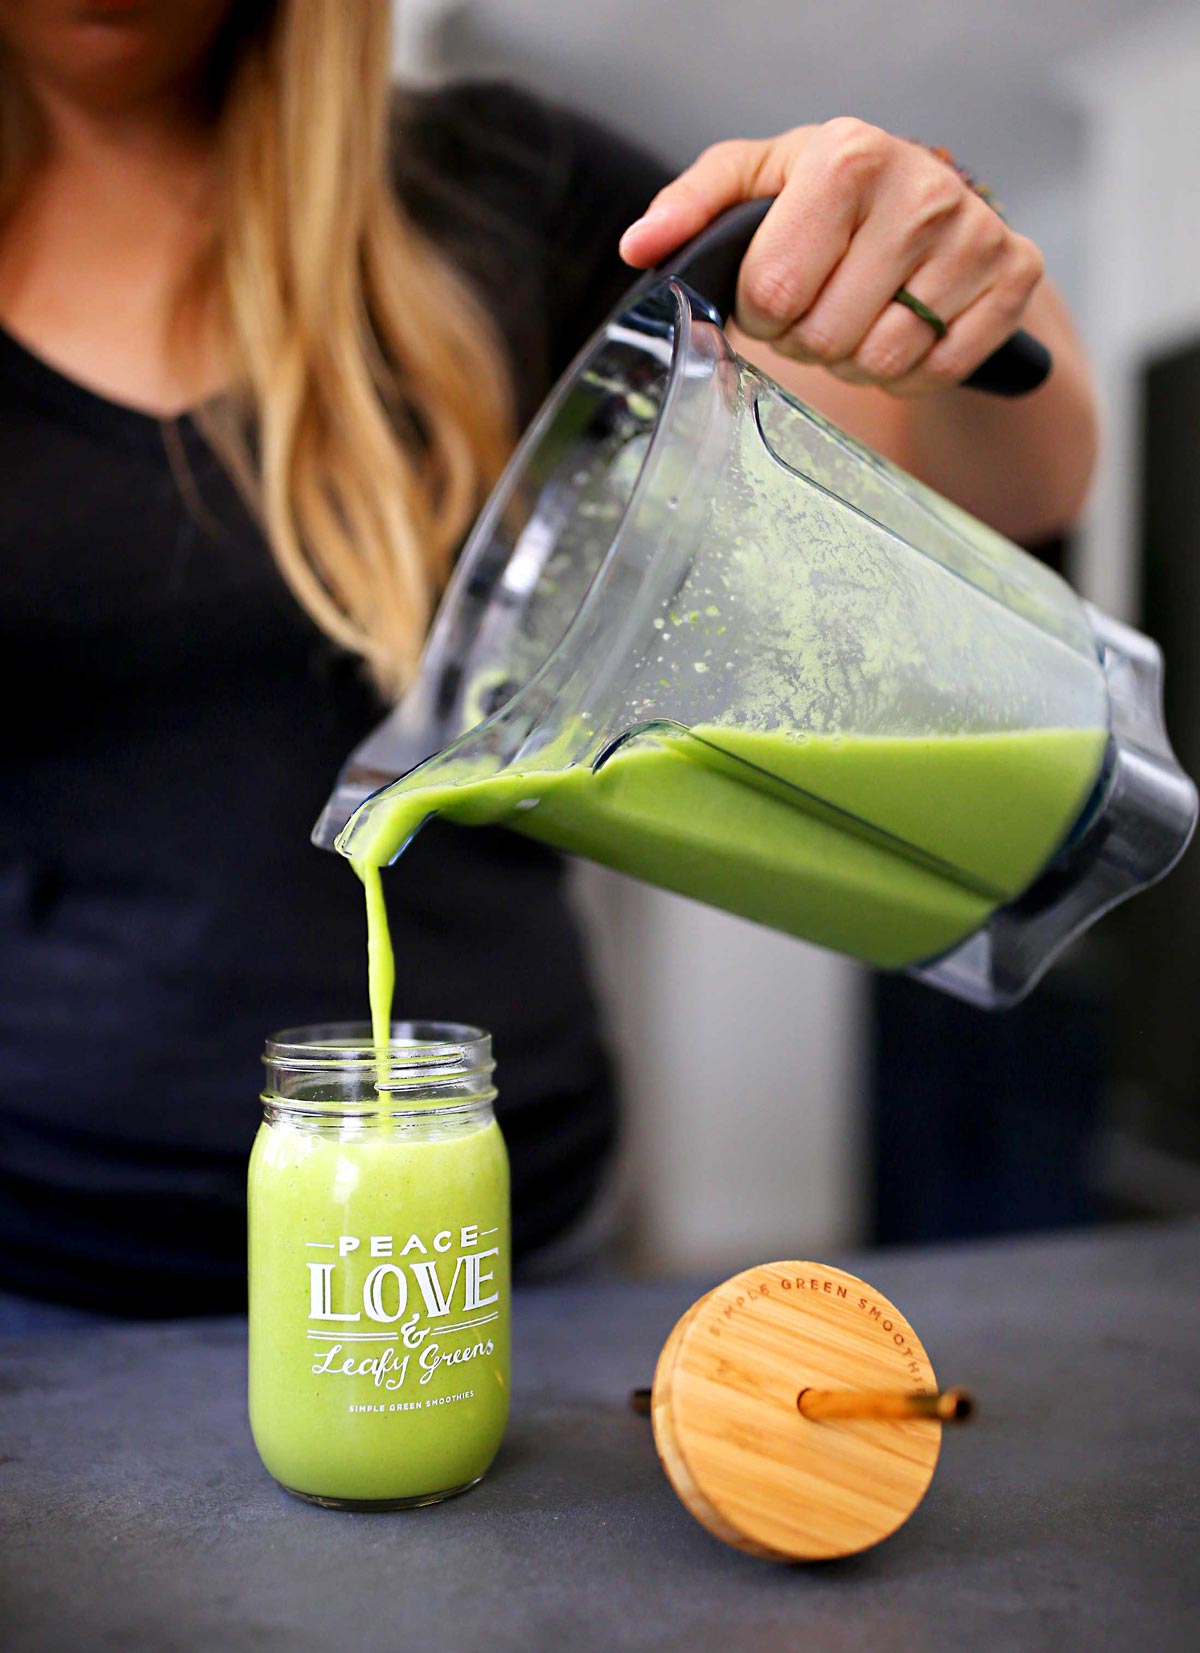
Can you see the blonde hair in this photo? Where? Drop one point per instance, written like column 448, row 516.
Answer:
column 373, row 407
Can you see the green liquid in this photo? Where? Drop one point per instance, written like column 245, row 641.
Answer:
column 369, row 1409
column 381, row 973
column 895, row 849
column 381, row 963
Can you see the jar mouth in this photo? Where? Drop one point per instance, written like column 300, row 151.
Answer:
column 419, row 1054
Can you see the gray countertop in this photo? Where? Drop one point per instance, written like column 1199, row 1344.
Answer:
column 135, row 1515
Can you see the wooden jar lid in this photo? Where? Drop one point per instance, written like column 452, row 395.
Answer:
column 735, row 1446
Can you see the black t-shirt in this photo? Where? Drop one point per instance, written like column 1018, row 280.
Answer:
column 173, row 722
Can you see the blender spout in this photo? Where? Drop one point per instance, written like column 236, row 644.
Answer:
column 353, row 787
column 397, row 744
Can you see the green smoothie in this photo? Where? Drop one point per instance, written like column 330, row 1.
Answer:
column 889, row 848
column 381, row 963
column 379, row 1305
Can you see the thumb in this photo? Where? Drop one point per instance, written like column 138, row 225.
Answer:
column 723, row 175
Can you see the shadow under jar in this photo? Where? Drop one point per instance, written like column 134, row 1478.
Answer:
column 379, row 1265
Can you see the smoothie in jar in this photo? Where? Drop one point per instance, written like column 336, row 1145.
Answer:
column 379, row 1266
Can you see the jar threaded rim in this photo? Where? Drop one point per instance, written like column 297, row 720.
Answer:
column 436, row 1061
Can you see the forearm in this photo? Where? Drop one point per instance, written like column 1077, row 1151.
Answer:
column 1022, row 465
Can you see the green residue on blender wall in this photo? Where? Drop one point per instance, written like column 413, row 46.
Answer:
column 769, row 825
column 867, row 724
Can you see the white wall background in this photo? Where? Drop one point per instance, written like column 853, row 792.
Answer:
column 744, row 1052
column 1139, row 96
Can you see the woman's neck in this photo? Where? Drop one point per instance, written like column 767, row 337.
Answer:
column 100, row 242
column 166, row 129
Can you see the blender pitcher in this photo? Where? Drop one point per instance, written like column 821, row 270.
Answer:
column 701, row 635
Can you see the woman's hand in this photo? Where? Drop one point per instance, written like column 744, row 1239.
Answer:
column 858, row 214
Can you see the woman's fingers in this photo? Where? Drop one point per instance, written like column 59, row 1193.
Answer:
column 857, row 215
column 867, row 335
column 979, row 330
column 815, row 173
column 833, row 187
column 880, row 258
column 726, row 173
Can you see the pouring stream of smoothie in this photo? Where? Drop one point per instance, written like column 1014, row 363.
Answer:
column 381, row 962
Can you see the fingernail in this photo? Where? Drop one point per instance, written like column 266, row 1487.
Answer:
column 632, row 230
column 652, row 215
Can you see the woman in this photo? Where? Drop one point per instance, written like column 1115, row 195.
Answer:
column 268, row 335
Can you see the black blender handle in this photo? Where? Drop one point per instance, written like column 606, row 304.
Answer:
column 710, row 261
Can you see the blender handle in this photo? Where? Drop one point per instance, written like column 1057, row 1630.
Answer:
column 710, row 261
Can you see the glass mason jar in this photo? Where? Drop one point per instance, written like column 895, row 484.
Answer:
column 379, row 1265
